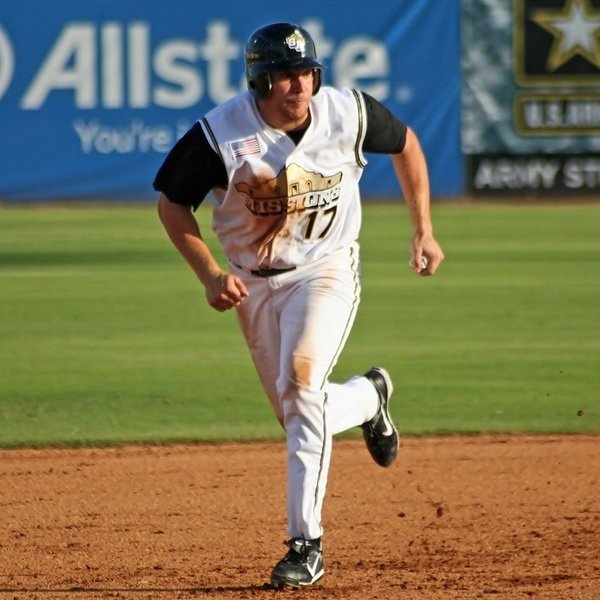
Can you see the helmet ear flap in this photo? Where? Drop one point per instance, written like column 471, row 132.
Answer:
column 316, row 81
column 260, row 86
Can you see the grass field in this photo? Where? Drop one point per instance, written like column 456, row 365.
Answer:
column 105, row 336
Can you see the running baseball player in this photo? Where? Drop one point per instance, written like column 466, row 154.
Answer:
column 283, row 161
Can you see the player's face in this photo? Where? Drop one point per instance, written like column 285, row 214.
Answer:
column 287, row 105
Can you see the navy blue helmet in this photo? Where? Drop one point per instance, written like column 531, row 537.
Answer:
column 279, row 47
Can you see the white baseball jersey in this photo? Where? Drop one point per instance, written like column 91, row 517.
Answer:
column 288, row 205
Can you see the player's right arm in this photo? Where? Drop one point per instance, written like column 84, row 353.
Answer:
column 190, row 170
column 223, row 290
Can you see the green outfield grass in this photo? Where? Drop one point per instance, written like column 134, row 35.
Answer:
column 105, row 336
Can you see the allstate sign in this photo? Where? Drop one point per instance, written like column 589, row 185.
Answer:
column 92, row 98
column 7, row 61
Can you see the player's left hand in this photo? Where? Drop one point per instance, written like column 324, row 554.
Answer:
column 427, row 255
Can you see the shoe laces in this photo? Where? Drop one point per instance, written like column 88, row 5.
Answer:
column 302, row 546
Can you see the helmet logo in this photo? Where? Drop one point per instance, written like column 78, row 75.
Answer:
column 296, row 42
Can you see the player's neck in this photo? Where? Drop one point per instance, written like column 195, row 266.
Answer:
column 297, row 134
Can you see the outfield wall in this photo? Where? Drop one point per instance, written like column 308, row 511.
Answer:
column 93, row 94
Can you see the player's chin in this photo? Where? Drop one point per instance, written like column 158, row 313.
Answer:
column 297, row 107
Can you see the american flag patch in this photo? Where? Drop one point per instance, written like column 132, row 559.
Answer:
column 244, row 147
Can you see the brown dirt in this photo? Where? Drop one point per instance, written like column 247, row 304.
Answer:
column 469, row 518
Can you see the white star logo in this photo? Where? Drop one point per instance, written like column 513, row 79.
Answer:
column 576, row 31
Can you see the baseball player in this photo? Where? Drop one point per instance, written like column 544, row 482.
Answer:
column 283, row 161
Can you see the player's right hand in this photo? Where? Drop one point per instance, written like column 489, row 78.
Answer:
column 225, row 292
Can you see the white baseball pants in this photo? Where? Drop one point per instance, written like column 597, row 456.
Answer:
column 296, row 324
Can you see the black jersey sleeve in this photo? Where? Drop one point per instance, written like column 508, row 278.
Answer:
column 190, row 170
column 386, row 134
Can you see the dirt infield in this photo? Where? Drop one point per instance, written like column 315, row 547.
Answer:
column 468, row 518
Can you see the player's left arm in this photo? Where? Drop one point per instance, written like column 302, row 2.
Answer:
column 386, row 134
column 411, row 171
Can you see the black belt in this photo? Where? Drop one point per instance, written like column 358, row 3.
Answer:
column 271, row 272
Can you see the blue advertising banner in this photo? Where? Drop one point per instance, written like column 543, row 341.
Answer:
column 93, row 94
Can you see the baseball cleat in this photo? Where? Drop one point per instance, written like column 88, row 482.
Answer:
column 380, row 433
column 301, row 566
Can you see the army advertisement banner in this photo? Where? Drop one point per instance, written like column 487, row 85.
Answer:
column 531, row 97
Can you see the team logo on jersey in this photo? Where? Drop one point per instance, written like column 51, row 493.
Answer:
column 293, row 190
column 7, row 61
column 296, row 41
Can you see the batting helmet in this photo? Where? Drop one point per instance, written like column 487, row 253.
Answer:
column 279, row 47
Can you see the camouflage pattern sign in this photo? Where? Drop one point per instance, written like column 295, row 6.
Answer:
column 531, row 96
